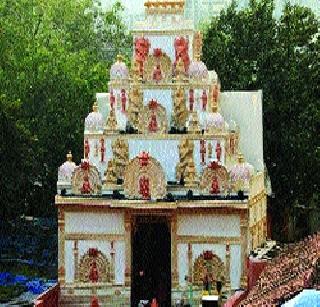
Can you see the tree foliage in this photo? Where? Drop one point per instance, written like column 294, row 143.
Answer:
column 250, row 49
column 53, row 60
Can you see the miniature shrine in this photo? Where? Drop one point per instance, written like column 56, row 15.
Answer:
column 169, row 198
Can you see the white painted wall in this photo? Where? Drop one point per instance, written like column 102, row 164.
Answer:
column 209, row 225
column 89, row 222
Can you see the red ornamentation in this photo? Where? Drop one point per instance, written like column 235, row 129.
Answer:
column 218, row 151
column 141, row 49
column 207, row 255
column 123, row 100
column 94, row 302
column 204, row 100
column 93, row 252
column 86, row 187
column 215, row 185
column 181, row 46
column 213, row 165
column 191, row 99
column 157, row 52
column 153, row 104
column 86, row 149
column 144, row 159
column 112, row 100
column 154, row 303
column 216, row 93
column 203, row 151
column 153, row 124
column 94, row 274
column 102, row 149
column 85, row 165
column 157, row 74
column 144, row 188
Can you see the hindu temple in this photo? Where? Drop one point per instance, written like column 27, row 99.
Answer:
column 170, row 196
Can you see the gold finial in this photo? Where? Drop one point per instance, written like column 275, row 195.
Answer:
column 119, row 58
column 95, row 107
column 214, row 108
column 69, row 156
column 240, row 158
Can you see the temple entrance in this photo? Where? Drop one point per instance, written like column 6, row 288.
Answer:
column 151, row 261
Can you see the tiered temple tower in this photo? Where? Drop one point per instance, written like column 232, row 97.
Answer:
column 163, row 202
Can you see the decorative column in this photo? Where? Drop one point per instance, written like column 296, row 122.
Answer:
column 112, row 254
column 127, row 227
column 76, row 260
column 244, row 249
column 61, row 248
column 228, row 277
column 190, row 277
column 174, row 256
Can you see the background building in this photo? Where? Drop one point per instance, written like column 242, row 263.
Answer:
column 201, row 10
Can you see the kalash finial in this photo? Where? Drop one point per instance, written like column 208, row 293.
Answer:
column 240, row 158
column 119, row 58
column 69, row 156
column 95, row 107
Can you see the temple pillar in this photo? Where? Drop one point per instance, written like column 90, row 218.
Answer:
column 128, row 228
column 112, row 269
column 174, row 256
column 228, row 277
column 76, row 260
column 190, row 264
column 61, row 247
column 244, row 250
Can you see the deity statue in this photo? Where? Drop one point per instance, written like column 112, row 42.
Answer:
column 181, row 46
column 144, row 188
column 215, row 185
column 112, row 100
column 141, row 49
column 110, row 174
column 191, row 100
column 94, row 275
column 86, row 187
column 123, row 100
column 204, row 100
column 203, row 151
column 102, row 149
column 153, row 125
column 157, row 74
column 94, row 302
column 86, row 149
column 218, row 151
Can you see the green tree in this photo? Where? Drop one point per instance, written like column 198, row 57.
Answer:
column 53, row 60
column 250, row 49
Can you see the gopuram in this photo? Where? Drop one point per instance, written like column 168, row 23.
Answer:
column 170, row 196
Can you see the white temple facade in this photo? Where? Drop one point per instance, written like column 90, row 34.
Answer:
column 170, row 196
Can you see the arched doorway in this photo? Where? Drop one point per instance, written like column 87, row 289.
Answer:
column 151, row 260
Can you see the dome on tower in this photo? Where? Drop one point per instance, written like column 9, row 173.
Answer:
column 198, row 70
column 212, row 121
column 94, row 121
column 119, row 70
column 66, row 169
column 242, row 171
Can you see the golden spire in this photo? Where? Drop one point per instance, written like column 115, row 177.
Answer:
column 240, row 158
column 69, row 156
column 119, row 58
column 95, row 107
